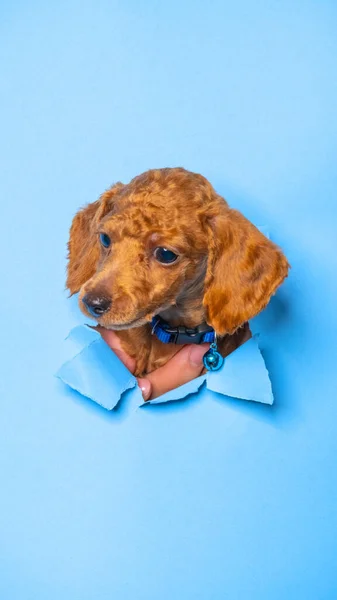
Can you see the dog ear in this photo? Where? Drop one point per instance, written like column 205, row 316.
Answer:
column 244, row 270
column 83, row 244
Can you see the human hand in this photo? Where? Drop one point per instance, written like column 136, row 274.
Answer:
column 182, row 367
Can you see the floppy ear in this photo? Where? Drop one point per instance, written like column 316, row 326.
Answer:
column 244, row 270
column 83, row 245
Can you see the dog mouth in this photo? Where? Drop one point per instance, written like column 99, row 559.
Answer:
column 127, row 325
column 121, row 322
column 142, row 319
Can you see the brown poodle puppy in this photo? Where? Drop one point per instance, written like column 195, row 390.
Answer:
column 167, row 244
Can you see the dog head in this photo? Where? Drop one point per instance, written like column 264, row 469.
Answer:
column 168, row 239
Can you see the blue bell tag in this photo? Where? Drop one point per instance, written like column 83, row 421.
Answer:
column 213, row 360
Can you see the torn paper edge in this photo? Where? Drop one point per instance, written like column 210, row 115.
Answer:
column 131, row 383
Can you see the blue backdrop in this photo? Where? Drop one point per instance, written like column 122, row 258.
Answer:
column 211, row 498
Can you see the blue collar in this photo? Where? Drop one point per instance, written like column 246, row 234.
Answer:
column 182, row 335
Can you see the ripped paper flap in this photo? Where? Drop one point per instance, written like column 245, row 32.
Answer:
column 94, row 370
column 97, row 373
column 244, row 375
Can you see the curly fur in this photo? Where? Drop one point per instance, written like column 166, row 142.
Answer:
column 226, row 273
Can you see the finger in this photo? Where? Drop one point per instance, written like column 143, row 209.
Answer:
column 183, row 367
column 113, row 341
column 146, row 387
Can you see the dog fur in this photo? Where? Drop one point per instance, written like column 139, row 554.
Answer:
column 225, row 274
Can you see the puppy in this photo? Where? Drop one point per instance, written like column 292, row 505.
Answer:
column 166, row 251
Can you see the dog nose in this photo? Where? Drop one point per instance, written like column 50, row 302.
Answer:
column 96, row 305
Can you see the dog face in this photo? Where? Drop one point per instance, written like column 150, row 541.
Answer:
column 167, row 239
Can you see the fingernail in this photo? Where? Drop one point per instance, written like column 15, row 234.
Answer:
column 196, row 355
column 145, row 386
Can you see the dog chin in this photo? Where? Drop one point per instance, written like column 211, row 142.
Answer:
column 123, row 326
column 138, row 322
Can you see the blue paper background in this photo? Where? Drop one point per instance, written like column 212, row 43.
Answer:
column 211, row 498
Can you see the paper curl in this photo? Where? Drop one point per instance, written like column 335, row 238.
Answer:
column 97, row 373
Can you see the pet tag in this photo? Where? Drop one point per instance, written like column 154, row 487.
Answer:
column 213, row 360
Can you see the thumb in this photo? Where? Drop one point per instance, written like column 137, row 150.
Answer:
column 182, row 367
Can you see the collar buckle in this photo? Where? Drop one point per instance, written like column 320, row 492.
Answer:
column 183, row 335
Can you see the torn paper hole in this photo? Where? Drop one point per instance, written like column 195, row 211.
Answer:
column 97, row 373
column 94, row 370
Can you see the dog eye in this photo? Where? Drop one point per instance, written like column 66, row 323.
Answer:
column 105, row 240
column 165, row 256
